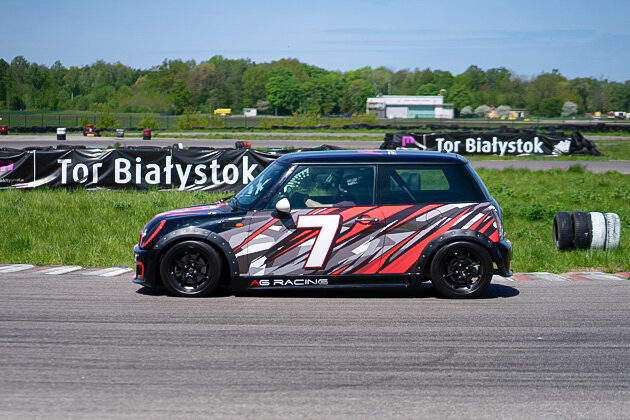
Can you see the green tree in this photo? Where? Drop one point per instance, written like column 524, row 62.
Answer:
column 355, row 96
column 182, row 96
column 460, row 96
column 254, row 83
column 284, row 91
column 147, row 122
column 550, row 107
column 428, row 89
column 323, row 93
column 107, row 120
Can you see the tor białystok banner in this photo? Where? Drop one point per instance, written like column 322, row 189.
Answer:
column 216, row 170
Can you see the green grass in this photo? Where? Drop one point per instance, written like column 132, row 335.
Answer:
column 530, row 200
column 89, row 228
column 100, row 228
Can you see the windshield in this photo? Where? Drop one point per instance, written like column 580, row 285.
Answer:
column 248, row 195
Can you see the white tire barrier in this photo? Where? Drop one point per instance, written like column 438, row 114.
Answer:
column 598, row 230
column 594, row 230
column 613, row 230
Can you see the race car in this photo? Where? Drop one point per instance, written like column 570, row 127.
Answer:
column 335, row 219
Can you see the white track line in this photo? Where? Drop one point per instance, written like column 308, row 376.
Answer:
column 117, row 272
column 15, row 267
column 61, row 270
column 501, row 278
column 543, row 275
column 598, row 275
column 107, row 272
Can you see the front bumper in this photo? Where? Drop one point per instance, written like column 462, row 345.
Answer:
column 146, row 267
column 502, row 256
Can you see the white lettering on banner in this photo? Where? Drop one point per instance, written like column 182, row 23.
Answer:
column 494, row 146
column 248, row 170
column 152, row 173
column 64, row 169
column 121, row 166
column 183, row 176
column 79, row 167
column 201, row 175
column 167, row 169
column 81, row 179
column 95, row 169
column 226, row 176
column 138, row 170
column 215, row 167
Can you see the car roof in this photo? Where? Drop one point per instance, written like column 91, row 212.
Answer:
column 373, row 156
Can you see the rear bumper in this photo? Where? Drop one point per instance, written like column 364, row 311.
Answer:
column 502, row 256
column 146, row 267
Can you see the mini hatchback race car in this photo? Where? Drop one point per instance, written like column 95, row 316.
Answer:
column 335, row 219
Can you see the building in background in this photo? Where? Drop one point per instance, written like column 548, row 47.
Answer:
column 250, row 112
column 391, row 106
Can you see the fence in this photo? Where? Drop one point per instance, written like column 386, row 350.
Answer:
column 127, row 121
column 131, row 121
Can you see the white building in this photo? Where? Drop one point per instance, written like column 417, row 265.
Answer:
column 391, row 106
column 250, row 112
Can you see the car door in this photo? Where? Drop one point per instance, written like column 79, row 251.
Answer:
column 333, row 228
column 421, row 202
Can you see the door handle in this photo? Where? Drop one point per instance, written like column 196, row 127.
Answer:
column 367, row 220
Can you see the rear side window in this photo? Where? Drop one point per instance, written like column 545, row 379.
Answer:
column 411, row 184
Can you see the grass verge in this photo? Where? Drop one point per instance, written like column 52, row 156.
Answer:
column 100, row 228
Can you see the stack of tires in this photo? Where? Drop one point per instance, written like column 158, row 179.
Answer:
column 586, row 230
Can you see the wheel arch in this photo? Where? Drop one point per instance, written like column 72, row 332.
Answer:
column 456, row 235
column 217, row 242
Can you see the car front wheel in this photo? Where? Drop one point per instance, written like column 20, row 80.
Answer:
column 461, row 270
column 190, row 268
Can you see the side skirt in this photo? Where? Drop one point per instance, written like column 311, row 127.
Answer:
column 316, row 282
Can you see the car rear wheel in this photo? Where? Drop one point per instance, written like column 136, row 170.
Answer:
column 461, row 270
column 190, row 268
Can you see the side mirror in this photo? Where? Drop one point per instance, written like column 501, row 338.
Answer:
column 283, row 206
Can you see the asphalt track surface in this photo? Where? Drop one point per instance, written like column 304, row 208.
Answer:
column 80, row 346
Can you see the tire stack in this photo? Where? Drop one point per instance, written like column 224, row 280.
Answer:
column 586, row 230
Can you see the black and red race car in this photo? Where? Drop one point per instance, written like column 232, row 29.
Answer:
column 335, row 218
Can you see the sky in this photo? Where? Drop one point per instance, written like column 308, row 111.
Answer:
column 579, row 38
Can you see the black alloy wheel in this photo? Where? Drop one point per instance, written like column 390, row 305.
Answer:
column 461, row 270
column 190, row 268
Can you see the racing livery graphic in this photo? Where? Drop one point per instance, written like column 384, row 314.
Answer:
column 322, row 219
column 358, row 240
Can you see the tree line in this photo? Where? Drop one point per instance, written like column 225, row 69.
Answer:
column 288, row 86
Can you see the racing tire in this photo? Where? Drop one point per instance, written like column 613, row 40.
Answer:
column 598, row 230
column 563, row 231
column 613, row 230
column 461, row 270
column 190, row 269
column 581, row 230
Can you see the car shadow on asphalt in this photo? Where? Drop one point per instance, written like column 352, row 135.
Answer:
column 494, row 291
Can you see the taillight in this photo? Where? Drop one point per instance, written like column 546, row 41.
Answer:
column 155, row 232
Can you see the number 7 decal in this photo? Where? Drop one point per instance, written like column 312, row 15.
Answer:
column 329, row 225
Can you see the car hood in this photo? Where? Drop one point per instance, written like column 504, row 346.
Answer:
column 204, row 210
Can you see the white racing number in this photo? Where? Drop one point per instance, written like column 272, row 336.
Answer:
column 328, row 225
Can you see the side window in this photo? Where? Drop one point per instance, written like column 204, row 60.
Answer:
column 411, row 184
column 328, row 186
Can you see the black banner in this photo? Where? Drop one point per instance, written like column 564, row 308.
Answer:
column 217, row 170
column 488, row 143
